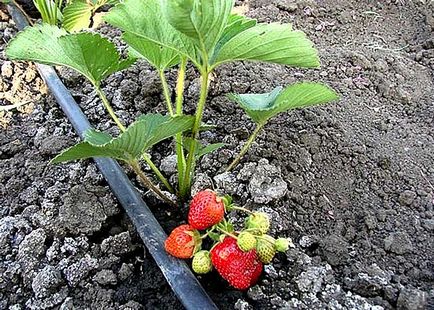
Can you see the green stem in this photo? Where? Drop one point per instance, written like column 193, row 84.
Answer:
column 122, row 128
column 185, row 185
column 166, row 92
column 246, row 147
column 180, row 85
column 227, row 233
column 157, row 171
column 109, row 108
column 207, row 233
column 134, row 164
column 234, row 207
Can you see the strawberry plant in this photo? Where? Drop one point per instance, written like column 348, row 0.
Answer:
column 167, row 34
column 238, row 256
column 49, row 10
column 72, row 15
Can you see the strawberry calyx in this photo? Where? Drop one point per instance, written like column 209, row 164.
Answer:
column 196, row 241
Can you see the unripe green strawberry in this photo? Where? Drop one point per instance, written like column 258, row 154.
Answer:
column 259, row 221
column 282, row 244
column 265, row 248
column 202, row 262
column 246, row 241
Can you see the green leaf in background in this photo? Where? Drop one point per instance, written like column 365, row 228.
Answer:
column 49, row 10
column 147, row 131
column 201, row 149
column 159, row 56
column 262, row 107
column 90, row 54
column 145, row 19
column 76, row 15
column 274, row 43
column 201, row 20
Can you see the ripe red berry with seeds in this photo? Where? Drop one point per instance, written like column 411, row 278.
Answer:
column 241, row 269
column 183, row 242
column 206, row 210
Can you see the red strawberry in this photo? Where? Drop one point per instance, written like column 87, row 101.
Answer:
column 206, row 210
column 240, row 269
column 183, row 241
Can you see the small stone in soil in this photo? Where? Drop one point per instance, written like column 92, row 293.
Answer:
column 266, row 183
column 105, row 277
column 118, row 244
column 398, row 243
column 47, row 280
column 169, row 164
column 312, row 279
column 7, row 69
column 412, row 299
column 335, row 250
column 407, row 197
column 227, row 182
column 79, row 270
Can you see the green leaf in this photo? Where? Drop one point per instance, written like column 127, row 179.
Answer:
column 145, row 19
column 96, row 137
column 262, row 107
column 210, row 148
column 274, row 43
column 84, row 150
column 136, row 140
column 235, row 25
column 202, row 20
column 201, row 149
column 76, row 16
column 258, row 106
column 161, row 128
column 214, row 236
column 159, row 56
column 90, row 54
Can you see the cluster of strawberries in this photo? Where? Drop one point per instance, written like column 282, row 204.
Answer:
column 238, row 256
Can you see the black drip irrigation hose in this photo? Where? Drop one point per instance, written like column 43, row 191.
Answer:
column 177, row 273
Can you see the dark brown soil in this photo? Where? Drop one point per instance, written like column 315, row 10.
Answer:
column 359, row 174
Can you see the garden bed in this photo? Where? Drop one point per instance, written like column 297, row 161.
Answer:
column 351, row 182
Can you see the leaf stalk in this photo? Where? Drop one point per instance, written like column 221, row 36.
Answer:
column 166, row 92
column 180, row 85
column 158, row 173
column 186, row 183
column 109, row 107
column 134, row 164
column 122, row 128
column 246, row 147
